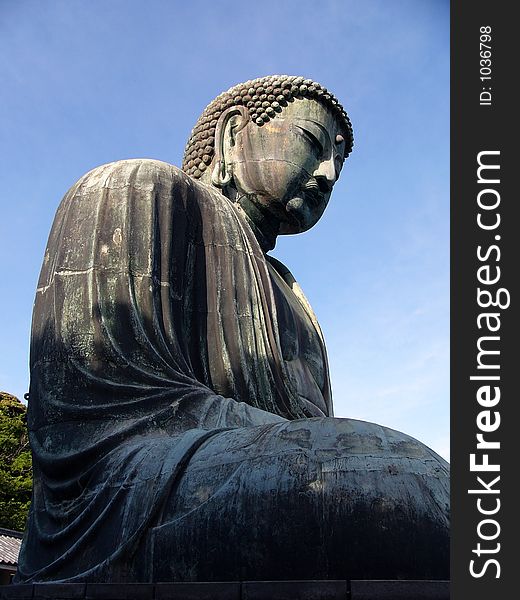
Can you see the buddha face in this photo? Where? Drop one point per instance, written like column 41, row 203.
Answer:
column 289, row 165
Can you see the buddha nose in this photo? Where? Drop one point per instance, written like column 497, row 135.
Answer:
column 325, row 174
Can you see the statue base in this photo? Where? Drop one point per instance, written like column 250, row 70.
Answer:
column 245, row 590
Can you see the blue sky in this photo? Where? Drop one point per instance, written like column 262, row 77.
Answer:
column 90, row 82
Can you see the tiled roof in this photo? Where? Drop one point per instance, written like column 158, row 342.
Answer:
column 10, row 542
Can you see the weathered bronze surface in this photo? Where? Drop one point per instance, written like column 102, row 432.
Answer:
column 180, row 408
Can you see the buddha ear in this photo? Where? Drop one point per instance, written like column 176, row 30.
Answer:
column 230, row 122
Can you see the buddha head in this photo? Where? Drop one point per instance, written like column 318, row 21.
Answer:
column 276, row 146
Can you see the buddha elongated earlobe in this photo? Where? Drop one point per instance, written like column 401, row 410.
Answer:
column 221, row 176
column 230, row 122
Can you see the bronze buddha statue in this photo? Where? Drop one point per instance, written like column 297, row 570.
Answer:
column 180, row 410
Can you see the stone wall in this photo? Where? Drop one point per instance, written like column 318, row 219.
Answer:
column 247, row 590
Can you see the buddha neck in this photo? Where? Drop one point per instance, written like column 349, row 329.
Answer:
column 263, row 223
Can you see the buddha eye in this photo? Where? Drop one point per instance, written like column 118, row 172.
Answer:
column 312, row 139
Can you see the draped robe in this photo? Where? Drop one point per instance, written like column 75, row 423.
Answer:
column 179, row 408
column 154, row 327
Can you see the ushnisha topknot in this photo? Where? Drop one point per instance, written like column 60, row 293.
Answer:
column 264, row 98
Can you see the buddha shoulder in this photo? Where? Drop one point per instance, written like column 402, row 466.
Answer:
column 141, row 173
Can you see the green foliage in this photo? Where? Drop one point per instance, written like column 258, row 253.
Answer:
column 15, row 464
